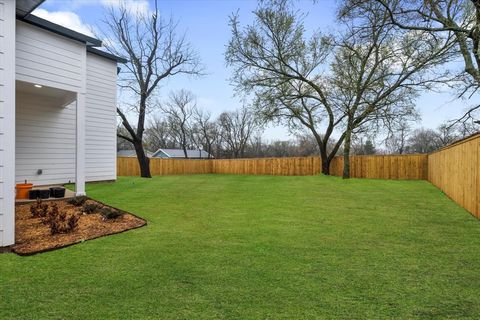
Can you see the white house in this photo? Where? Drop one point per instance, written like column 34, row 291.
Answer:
column 57, row 107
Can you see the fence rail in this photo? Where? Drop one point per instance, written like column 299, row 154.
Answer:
column 454, row 169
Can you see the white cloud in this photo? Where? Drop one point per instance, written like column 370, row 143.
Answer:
column 66, row 19
column 140, row 7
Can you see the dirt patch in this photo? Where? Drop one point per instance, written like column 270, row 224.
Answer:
column 33, row 236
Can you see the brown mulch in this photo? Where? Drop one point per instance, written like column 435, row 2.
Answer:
column 32, row 236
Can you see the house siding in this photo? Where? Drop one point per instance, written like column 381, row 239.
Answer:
column 100, row 112
column 45, row 58
column 45, row 139
column 7, row 122
column 46, row 133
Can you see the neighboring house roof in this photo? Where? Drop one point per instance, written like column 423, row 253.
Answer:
column 130, row 153
column 179, row 153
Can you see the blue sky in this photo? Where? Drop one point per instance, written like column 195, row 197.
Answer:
column 206, row 25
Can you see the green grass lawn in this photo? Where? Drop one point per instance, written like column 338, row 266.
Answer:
column 260, row 247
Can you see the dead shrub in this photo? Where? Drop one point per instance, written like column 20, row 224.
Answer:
column 60, row 221
column 77, row 201
column 39, row 209
column 110, row 213
column 89, row 208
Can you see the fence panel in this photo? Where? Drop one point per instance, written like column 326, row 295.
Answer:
column 299, row 166
column 404, row 167
column 128, row 166
column 455, row 171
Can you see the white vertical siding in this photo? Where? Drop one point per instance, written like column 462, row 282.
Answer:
column 45, row 139
column 7, row 121
column 100, row 148
column 48, row 59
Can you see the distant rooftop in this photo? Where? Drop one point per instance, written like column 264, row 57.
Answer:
column 179, row 153
column 130, row 153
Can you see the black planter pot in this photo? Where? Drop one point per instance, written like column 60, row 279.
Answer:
column 33, row 194
column 57, row 192
column 44, row 193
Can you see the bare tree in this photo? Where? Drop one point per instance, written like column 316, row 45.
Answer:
column 466, row 128
column 155, row 52
column 366, row 76
column 424, row 141
column 274, row 62
column 158, row 135
column 236, row 129
column 381, row 69
column 123, row 144
column 447, row 134
column 179, row 110
column 206, row 131
column 447, row 20
column 396, row 141
column 307, row 145
column 363, row 146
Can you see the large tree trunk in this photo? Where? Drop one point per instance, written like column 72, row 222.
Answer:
column 326, row 166
column 185, row 151
column 209, row 150
column 346, row 154
column 324, row 156
column 143, row 160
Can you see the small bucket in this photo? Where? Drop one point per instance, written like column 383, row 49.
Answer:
column 22, row 190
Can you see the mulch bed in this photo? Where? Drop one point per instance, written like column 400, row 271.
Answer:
column 33, row 236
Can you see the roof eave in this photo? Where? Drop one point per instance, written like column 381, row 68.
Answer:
column 55, row 28
column 106, row 55
column 25, row 7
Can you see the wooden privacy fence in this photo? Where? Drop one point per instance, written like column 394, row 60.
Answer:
column 298, row 166
column 405, row 167
column 379, row 167
column 455, row 170
column 128, row 166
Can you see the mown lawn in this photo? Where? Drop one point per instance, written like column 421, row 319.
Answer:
column 258, row 247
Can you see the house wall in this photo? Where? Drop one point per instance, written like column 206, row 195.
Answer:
column 7, row 121
column 45, row 132
column 45, row 58
column 101, row 123
column 45, row 139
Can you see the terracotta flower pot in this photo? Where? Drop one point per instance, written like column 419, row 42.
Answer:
column 22, row 190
